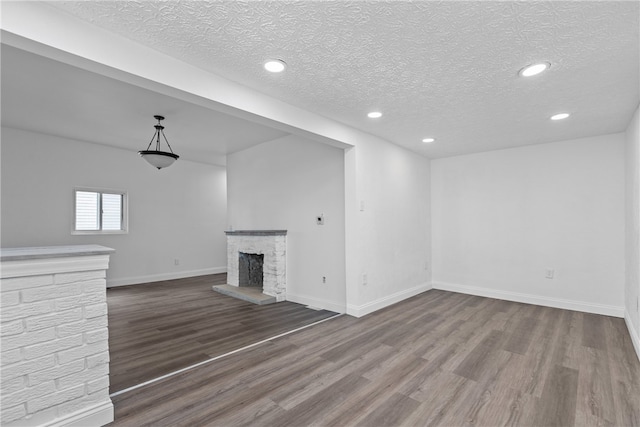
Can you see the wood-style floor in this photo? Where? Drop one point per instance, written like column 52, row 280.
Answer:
column 160, row 327
column 437, row 359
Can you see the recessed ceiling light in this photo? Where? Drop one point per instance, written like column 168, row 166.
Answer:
column 275, row 65
column 427, row 140
column 532, row 70
column 374, row 115
column 560, row 116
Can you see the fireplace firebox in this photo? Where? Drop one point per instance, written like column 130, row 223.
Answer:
column 250, row 269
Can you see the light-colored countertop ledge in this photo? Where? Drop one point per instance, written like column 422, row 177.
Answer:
column 20, row 254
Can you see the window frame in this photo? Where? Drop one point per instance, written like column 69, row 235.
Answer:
column 124, row 212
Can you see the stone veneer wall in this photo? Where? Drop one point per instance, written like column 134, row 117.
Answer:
column 55, row 353
column 273, row 244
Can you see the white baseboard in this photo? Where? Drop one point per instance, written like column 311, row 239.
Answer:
column 635, row 338
column 608, row 310
column 370, row 307
column 94, row 416
column 316, row 302
column 163, row 276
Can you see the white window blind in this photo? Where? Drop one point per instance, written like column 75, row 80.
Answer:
column 111, row 211
column 87, row 205
column 99, row 211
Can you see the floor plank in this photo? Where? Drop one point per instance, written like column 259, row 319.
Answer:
column 557, row 405
column 437, row 359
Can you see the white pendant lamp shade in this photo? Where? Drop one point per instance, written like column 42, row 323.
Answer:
column 159, row 159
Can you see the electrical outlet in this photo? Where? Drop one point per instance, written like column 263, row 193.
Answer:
column 549, row 273
column 324, row 279
column 320, row 219
column 176, row 261
column 364, row 279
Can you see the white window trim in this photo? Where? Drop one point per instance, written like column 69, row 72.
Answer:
column 125, row 211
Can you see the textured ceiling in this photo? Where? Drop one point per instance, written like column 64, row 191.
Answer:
column 441, row 69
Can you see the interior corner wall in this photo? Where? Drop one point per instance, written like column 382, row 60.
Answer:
column 389, row 226
column 285, row 184
column 632, row 232
column 176, row 213
column 501, row 219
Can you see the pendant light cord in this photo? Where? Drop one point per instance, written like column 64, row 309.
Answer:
column 156, row 136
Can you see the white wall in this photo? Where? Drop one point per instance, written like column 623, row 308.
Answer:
column 501, row 218
column 390, row 217
column 283, row 184
column 178, row 212
column 632, row 232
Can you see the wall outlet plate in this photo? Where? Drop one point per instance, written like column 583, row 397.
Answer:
column 320, row 219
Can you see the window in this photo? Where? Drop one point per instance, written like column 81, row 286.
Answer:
column 99, row 211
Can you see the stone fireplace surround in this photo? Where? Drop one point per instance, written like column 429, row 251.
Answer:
column 273, row 245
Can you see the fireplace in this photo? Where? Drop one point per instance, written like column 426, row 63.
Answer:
column 257, row 258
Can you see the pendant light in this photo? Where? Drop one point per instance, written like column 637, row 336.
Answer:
column 157, row 158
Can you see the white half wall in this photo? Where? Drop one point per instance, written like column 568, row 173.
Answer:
column 501, row 219
column 283, row 185
column 632, row 232
column 175, row 213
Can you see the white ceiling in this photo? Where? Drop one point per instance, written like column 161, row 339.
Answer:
column 47, row 96
column 441, row 69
